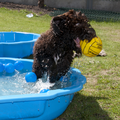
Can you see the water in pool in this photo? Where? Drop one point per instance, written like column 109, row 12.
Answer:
column 15, row 83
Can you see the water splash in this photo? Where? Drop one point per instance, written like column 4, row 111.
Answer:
column 15, row 83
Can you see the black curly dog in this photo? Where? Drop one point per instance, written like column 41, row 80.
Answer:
column 53, row 51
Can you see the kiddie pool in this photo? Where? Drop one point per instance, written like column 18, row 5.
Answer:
column 17, row 44
column 40, row 106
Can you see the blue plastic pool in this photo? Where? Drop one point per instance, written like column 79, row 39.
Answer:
column 39, row 106
column 17, row 44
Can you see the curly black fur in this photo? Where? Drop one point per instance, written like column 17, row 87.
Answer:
column 53, row 51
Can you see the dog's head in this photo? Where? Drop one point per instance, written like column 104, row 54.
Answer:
column 74, row 25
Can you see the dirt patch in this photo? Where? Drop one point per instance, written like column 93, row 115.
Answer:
column 35, row 9
column 92, row 80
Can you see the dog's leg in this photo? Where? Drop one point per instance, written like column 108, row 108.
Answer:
column 58, row 73
column 61, row 68
column 37, row 69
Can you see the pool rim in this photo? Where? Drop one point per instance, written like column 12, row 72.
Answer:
column 21, row 42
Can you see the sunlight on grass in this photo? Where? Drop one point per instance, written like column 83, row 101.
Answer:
column 12, row 20
column 100, row 97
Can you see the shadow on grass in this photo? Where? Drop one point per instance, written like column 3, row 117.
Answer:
column 85, row 108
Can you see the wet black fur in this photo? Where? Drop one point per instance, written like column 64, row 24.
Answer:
column 59, row 41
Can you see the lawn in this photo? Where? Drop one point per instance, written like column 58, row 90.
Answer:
column 100, row 97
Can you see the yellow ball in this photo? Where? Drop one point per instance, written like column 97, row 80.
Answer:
column 91, row 48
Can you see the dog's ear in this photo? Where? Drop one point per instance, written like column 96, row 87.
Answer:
column 55, row 24
column 56, row 20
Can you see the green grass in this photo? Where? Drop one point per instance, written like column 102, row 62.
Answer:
column 100, row 97
column 11, row 20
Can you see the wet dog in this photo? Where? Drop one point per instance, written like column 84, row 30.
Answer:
column 53, row 51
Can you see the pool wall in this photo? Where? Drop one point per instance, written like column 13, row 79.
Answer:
column 17, row 44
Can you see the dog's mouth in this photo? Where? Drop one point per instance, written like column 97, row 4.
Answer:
column 77, row 42
column 77, row 45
